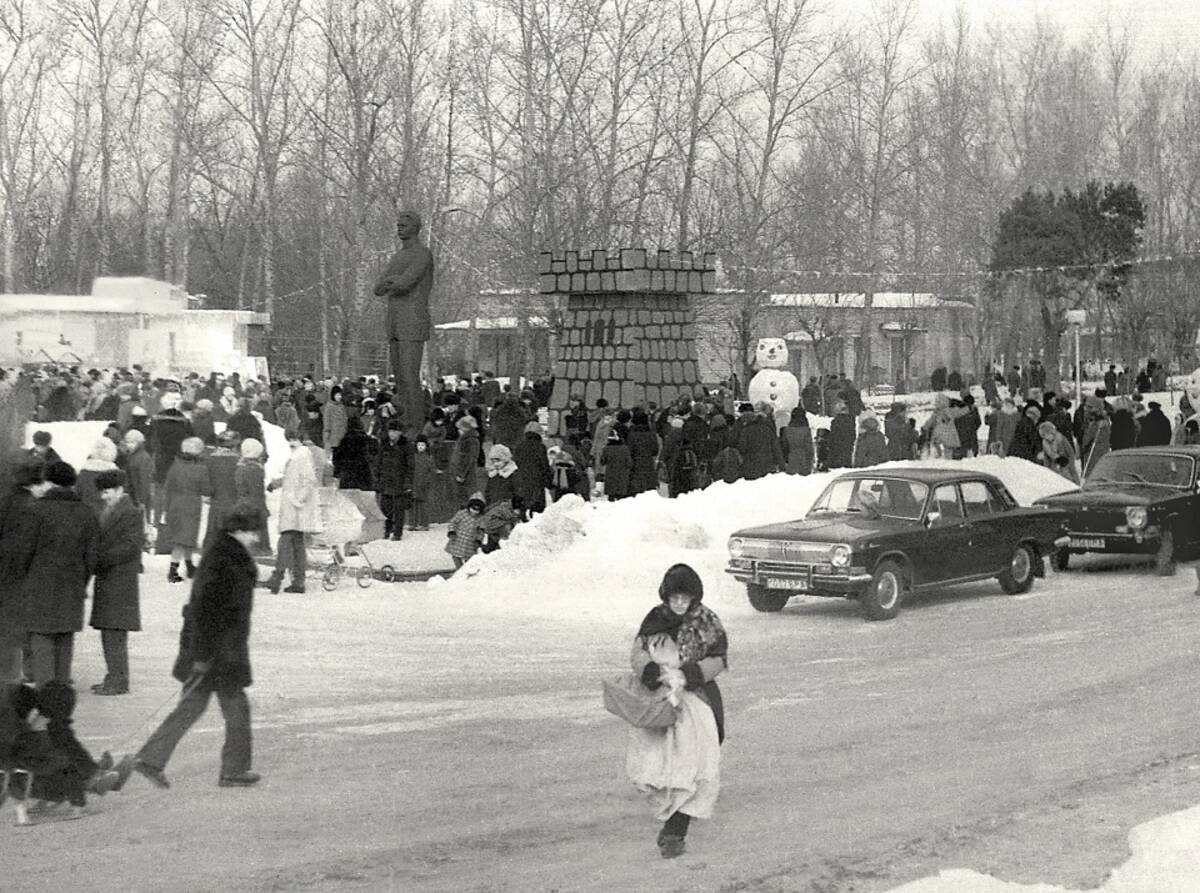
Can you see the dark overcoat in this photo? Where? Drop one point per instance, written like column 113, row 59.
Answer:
column 352, row 459
column 618, row 469
column 222, row 486
column 216, row 620
column 532, row 477
column 187, row 485
column 18, row 527
column 115, row 602
column 139, row 473
column 250, row 480
column 643, row 451
column 60, row 563
column 168, row 431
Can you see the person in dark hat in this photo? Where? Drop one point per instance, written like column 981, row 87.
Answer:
column 41, row 449
column 115, row 596
column 682, row 645
column 62, row 558
column 1155, row 429
column 214, row 656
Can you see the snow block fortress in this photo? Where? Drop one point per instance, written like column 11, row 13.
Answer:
column 629, row 332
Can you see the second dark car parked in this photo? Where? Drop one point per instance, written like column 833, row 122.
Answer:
column 877, row 535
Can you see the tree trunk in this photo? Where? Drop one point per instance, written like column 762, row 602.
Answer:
column 1051, row 346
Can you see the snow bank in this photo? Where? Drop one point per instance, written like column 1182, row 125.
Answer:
column 605, row 559
column 1166, row 857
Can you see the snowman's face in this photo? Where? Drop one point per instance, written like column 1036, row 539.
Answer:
column 772, row 353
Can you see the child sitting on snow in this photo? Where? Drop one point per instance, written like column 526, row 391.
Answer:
column 466, row 530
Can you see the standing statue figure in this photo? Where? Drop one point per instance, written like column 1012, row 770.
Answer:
column 406, row 282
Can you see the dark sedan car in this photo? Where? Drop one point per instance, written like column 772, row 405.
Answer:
column 878, row 534
column 1140, row 501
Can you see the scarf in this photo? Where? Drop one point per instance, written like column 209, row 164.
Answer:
column 697, row 632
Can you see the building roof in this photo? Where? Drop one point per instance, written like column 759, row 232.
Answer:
column 884, row 300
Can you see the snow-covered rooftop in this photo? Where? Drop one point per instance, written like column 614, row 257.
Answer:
column 884, row 300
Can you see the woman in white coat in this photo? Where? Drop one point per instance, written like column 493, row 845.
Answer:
column 681, row 644
column 299, row 513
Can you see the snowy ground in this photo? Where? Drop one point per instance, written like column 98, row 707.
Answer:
column 449, row 735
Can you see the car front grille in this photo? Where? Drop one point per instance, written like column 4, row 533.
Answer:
column 786, row 551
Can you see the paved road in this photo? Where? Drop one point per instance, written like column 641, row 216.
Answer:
column 408, row 746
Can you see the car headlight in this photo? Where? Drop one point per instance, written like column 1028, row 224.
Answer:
column 1135, row 516
column 839, row 556
column 736, row 547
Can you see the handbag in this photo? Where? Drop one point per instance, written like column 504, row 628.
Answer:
column 627, row 698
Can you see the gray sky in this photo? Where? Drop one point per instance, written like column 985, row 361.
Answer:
column 1158, row 24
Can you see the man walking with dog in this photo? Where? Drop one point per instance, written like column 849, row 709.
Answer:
column 214, row 655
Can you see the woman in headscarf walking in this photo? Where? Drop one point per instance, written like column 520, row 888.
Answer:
column 680, row 644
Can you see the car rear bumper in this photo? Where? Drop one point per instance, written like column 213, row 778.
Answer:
column 806, row 578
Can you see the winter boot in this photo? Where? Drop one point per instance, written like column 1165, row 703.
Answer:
column 173, row 573
column 190, row 568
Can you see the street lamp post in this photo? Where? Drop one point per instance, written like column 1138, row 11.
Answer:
column 1077, row 318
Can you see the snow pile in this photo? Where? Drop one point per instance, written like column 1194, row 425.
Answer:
column 1166, row 857
column 605, row 559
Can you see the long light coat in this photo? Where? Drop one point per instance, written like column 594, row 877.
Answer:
column 299, row 503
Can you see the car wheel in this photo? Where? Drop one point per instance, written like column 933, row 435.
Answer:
column 881, row 601
column 1018, row 576
column 1164, row 558
column 1061, row 560
column 767, row 600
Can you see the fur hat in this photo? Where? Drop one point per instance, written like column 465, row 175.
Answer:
column 533, row 428
column 133, row 435
column 681, row 578
column 41, row 438
column 110, row 480
column 204, row 405
column 477, row 500
column 869, row 423
column 251, row 449
column 500, row 453
column 61, row 474
column 466, row 423
column 138, row 410
column 191, row 446
column 103, row 449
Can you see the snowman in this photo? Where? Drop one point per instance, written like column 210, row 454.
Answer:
column 773, row 383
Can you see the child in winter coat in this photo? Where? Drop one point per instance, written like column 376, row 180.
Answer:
column 423, row 474
column 466, row 530
column 565, row 474
column 870, row 448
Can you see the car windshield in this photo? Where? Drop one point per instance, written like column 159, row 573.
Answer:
column 888, row 497
column 1143, row 468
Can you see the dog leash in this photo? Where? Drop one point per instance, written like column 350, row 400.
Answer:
column 188, row 687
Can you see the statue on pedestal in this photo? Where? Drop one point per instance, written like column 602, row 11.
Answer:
column 406, row 283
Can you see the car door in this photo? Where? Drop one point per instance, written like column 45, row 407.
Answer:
column 991, row 531
column 943, row 547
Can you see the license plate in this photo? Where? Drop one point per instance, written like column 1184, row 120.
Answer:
column 1087, row 542
column 796, row 584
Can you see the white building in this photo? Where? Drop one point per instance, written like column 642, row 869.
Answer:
column 128, row 320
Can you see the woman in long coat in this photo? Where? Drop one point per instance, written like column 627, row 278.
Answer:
column 617, row 466
column 533, row 476
column 643, row 451
column 102, row 458
column 795, row 440
column 115, row 596
column 463, row 459
column 353, row 457
column 249, row 479
column 186, row 486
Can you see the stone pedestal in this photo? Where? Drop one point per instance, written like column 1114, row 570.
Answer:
column 629, row 332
